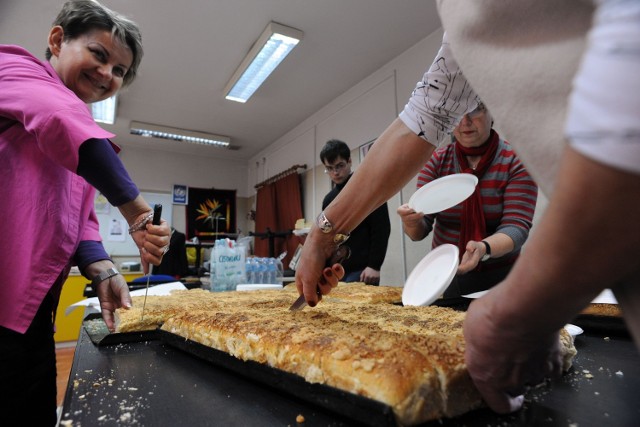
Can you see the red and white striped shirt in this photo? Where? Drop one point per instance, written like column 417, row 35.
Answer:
column 508, row 193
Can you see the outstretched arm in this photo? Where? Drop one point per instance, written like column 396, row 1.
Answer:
column 581, row 246
column 393, row 160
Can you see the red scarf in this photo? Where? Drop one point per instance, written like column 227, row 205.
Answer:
column 472, row 224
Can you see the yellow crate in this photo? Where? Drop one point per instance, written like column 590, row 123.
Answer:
column 67, row 328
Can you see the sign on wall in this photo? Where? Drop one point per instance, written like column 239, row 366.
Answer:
column 180, row 194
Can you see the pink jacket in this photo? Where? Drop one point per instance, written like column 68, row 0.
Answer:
column 46, row 208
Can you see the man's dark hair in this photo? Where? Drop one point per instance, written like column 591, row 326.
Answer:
column 333, row 149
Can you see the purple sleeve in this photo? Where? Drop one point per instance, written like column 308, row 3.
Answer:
column 88, row 252
column 102, row 168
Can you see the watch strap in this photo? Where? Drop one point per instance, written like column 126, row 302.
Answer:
column 108, row 273
column 487, row 253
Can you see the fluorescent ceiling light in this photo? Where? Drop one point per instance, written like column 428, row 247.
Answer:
column 273, row 45
column 163, row 132
column 105, row 111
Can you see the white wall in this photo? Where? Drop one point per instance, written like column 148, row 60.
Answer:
column 356, row 117
column 158, row 171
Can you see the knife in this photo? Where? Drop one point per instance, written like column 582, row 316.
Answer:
column 157, row 213
column 339, row 256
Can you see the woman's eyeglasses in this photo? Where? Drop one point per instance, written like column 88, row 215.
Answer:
column 336, row 168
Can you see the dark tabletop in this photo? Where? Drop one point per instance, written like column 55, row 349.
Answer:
column 153, row 383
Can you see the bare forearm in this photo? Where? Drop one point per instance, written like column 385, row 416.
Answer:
column 393, row 160
column 585, row 230
column 500, row 243
column 134, row 209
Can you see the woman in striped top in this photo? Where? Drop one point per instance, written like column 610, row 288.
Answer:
column 489, row 227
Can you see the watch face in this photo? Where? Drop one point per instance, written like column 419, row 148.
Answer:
column 340, row 238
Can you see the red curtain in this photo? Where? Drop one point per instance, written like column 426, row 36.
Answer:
column 278, row 207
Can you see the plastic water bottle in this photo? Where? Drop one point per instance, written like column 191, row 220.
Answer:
column 272, row 271
column 219, row 282
column 262, row 271
column 255, row 271
column 249, row 264
column 280, row 271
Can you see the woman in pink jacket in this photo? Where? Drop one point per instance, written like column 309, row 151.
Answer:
column 53, row 155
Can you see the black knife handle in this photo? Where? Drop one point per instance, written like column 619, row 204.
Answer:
column 339, row 256
column 157, row 214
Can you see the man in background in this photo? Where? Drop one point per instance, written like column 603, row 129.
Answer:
column 368, row 241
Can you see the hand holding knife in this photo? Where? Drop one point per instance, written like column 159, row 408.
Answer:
column 342, row 253
column 157, row 214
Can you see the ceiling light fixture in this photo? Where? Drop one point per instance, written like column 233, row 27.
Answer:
column 105, row 111
column 163, row 132
column 273, row 45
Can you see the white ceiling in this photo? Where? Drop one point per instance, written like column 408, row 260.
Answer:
column 192, row 47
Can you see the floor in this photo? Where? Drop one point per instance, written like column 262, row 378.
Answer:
column 64, row 360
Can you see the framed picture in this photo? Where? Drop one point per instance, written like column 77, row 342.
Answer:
column 364, row 149
column 180, row 194
column 211, row 213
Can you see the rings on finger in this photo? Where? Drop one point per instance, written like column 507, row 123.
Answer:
column 165, row 249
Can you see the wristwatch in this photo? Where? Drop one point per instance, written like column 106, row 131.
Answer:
column 108, row 273
column 487, row 253
column 325, row 226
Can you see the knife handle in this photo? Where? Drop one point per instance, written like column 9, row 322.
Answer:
column 157, row 214
column 341, row 253
column 339, row 256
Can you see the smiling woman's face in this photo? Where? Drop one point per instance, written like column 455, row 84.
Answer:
column 92, row 65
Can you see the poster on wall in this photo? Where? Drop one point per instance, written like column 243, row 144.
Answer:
column 180, row 194
column 211, row 213
column 117, row 229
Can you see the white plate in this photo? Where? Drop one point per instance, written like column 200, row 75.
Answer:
column 301, row 231
column 443, row 193
column 475, row 294
column 431, row 276
column 605, row 297
column 573, row 329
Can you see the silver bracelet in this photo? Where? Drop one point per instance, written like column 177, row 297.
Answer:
column 140, row 225
column 107, row 274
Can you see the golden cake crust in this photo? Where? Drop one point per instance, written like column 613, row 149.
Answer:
column 409, row 358
column 605, row 310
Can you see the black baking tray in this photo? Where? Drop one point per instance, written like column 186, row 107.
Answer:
column 359, row 408
column 599, row 325
column 457, row 303
column 602, row 325
column 100, row 335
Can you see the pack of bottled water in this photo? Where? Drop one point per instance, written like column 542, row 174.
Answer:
column 264, row 270
column 227, row 265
